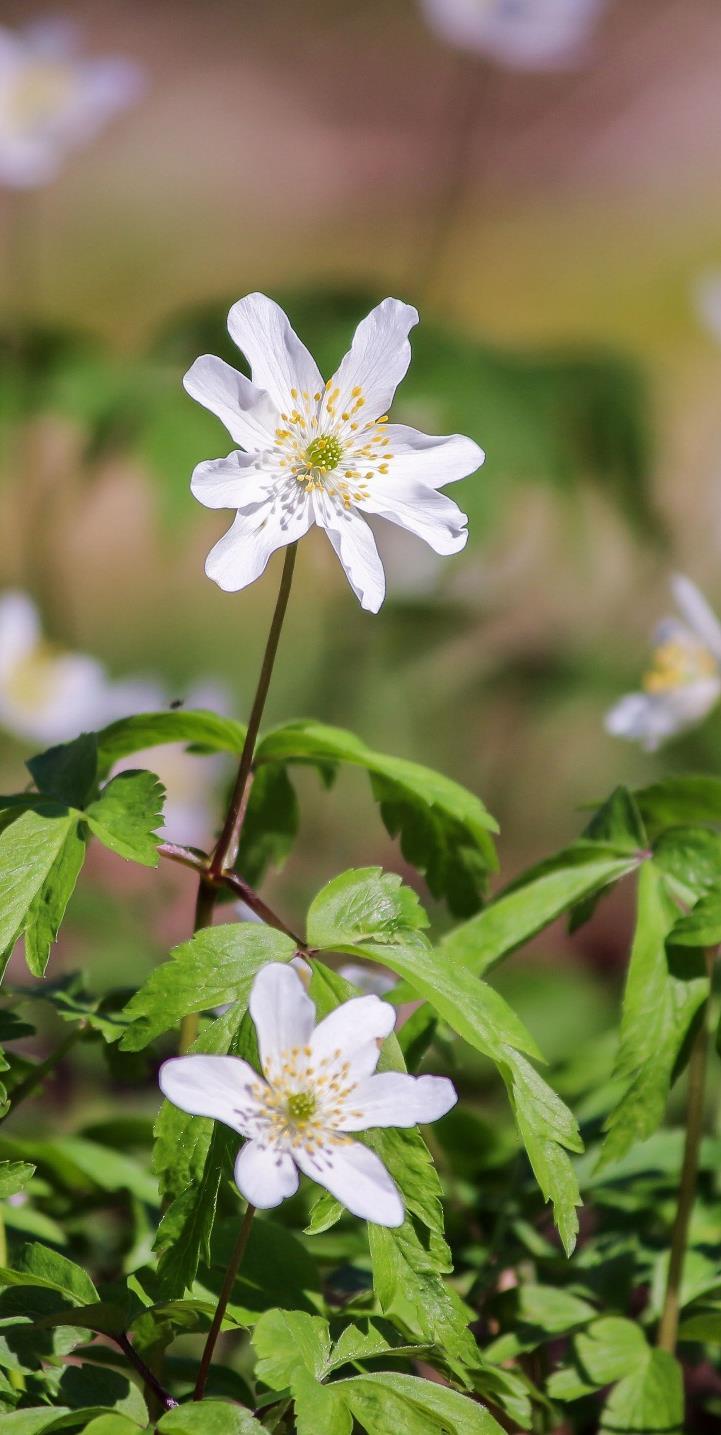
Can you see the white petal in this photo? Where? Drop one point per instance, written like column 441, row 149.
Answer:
column 231, row 482
column 697, row 612
column 527, row 34
column 419, row 509
column 356, row 547
column 394, row 1099
column 654, row 718
column 357, row 1178
column 241, row 555
column 282, row 1011
column 377, row 360
column 432, row 459
column 19, row 628
column 248, row 414
column 353, row 1033
column 215, row 1086
column 278, row 360
column 265, row 1175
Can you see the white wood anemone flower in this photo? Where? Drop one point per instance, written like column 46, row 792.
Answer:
column 316, row 1089
column 523, row 34
column 47, row 695
column 683, row 683
column 53, row 100
column 320, row 452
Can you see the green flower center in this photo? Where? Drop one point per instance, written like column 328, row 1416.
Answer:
column 324, row 452
column 301, row 1105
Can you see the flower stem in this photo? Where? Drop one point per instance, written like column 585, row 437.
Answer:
column 226, row 848
column 223, row 1298
column 668, row 1325
column 227, row 844
column 149, row 1378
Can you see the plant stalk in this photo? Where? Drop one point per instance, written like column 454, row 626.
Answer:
column 223, row 1298
column 149, row 1378
column 668, row 1325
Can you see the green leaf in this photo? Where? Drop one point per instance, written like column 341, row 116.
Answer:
column 218, row 965
column 444, row 829
column 537, row 899
column 127, row 815
column 701, row 927
column 691, row 858
column 407, row 1405
column 547, row 1127
column 93, row 1390
column 611, row 1348
column 135, row 734
column 661, row 998
column 271, row 823
column 648, row 1399
column 285, row 1340
column 209, row 1417
column 48, row 908
column 680, row 801
column 67, row 773
column 364, row 903
column 28, row 851
column 41, row 1266
column 14, row 1177
column 111, row 1424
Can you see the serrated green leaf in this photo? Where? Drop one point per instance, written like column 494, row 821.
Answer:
column 537, row 899
column 48, row 908
column 14, row 1177
column 547, row 1127
column 648, row 1399
column 67, row 773
column 218, row 965
column 188, row 725
column 271, row 823
column 444, row 829
column 127, row 815
column 28, row 851
column 364, row 903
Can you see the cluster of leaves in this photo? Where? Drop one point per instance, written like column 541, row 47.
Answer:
column 120, row 1231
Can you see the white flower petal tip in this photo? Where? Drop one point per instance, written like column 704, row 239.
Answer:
column 318, row 1086
column 52, row 100
column 522, row 34
column 322, row 453
column 683, row 682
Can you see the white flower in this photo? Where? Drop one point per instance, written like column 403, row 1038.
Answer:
column 316, row 1089
column 322, row 453
column 684, row 680
column 52, row 100
column 46, row 695
column 525, row 34
column 371, row 980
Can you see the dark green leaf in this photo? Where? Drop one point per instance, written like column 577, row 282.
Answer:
column 67, row 773
column 271, row 823
column 210, row 1417
column 135, row 734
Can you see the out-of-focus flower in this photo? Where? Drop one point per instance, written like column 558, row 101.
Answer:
column 683, row 683
column 190, row 814
column 46, row 695
column 523, row 34
column 52, row 100
column 319, row 452
column 371, row 981
column 317, row 1087
column 707, row 296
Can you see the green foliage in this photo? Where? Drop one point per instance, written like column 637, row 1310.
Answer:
column 127, row 815
column 29, row 851
column 271, row 823
column 204, row 730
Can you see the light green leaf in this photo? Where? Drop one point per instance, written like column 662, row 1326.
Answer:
column 285, row 1340
column 127, row 815
column 135, row 734
column 28, row 851
column 364, row 903
column 691, row 858
column 48, row 908
column 217, row 965
column 547, row 1127
column 111, row 1424
column 648, row 1399
column 661, row 998
column 701, row 927
column 537, row 899
column 14, row 1177
column 611, row 1348
column 407, row 1405
column 41, row 1266
column 210, row 1417
column 443, row 828
column 680, row 801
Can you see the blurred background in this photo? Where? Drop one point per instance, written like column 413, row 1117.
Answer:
column 552, row 209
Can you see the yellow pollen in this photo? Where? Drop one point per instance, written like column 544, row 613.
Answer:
column 301, row 1106
column 675, row 664
column 324, row 452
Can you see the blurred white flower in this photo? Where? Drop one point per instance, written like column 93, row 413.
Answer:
column 320, row 452
column 707, row 297
column 683, row 683
column 371, row 980
column 191, row 781
column 46, row 695
column 52, row 100
column 524, row 34
column 317, row 1087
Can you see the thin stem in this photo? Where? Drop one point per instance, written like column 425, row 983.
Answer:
column 668, row 1325
column 223, row 1299
column 204, row 904
column 44, row 1068
column 233, row 880
column 149, row 1378
column 227, row 844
